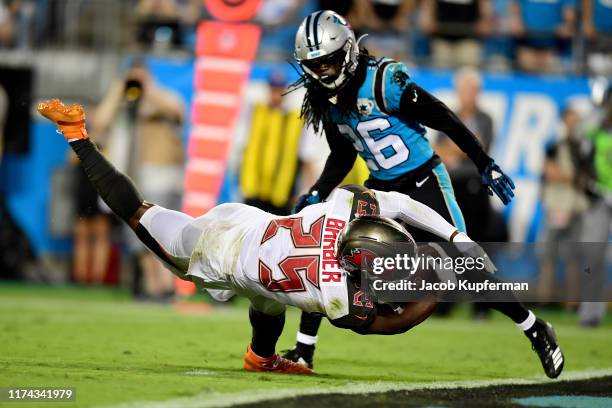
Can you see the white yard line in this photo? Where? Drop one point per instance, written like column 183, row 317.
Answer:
column 216, row 399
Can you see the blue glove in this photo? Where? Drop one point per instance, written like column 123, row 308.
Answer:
column 305, row 200
column 497, row 182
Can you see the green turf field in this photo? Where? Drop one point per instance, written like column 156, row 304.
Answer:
column 117, row 351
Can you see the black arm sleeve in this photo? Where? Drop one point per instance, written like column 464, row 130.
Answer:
column 338, row 164
column 120, row 194
column 116, row 189
column 361, row 311
column 421, row 106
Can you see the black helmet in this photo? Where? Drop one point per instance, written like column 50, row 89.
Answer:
column 369, row 237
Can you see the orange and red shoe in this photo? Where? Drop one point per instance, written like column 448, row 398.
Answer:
column 275, row 364
column 70, row 120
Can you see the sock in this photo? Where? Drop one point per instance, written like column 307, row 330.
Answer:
column 309, row 324
column 307, row 334
column 116, row 189
column 266, row 331
column 513, row 310
column 511, row 307
column 528, row 323
column 306, row 340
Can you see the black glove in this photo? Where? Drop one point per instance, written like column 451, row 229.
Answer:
column 305, row 200
column 497, row 182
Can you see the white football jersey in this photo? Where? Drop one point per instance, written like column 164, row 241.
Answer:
column 288, row 259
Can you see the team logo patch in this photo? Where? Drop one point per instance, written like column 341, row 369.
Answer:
column 364, row 106
column 358, row 257
column 400, row 78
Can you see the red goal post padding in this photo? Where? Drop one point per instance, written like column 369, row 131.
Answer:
column 224, row 55
column 232, row 10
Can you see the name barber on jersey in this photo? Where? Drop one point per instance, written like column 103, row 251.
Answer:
column 331, row 271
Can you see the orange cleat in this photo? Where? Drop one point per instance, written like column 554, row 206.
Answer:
column 275, row 364
column 70, row 120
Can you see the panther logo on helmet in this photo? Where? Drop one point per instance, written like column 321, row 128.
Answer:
column 325, row 39
column 339, row 20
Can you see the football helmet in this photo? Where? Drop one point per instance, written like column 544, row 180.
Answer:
column 368, row 237
column 326, row 49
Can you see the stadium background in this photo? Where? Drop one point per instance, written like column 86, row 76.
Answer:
column 525, row 110
column 70, row 54
column 56, row 331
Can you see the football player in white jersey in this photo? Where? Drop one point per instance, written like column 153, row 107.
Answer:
column 309, row 260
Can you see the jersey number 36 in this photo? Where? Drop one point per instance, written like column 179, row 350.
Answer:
column 388, row 150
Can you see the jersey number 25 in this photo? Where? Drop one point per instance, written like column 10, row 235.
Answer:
column 291, row 266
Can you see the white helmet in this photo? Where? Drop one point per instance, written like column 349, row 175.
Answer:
column 325, row 37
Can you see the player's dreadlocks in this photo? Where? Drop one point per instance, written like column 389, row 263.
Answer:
column 316, row 105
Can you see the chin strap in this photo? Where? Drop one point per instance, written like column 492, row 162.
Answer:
column 361, row 37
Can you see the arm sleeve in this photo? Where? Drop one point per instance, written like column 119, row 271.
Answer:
column 391, row 81
column 361, row 311
column 400, row 206
column 421, row 106
column 357, row 323
column 486, row 131
column 338, row 164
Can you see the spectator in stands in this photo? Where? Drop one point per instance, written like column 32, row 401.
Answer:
column 456, row 29
column 279, row 20
column 275, row 156
column 162, row 24
column 598, row 218
column 468, row 85
column 387, row 23
column 270, row 161
column 543, row 30
column 92, row 246
column 144, row 122
column 346, row 8
column 563, row 195
column 597, row 26
column 481, row 220
column 24, row 12
column 500, row 45
column 6, row 25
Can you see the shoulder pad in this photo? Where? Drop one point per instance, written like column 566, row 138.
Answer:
column 364, row 201
column 379, row 81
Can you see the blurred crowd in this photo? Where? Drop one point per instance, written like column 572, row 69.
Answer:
column 530, row 35
column 27, row 24
column 577, row 198
column 138, row 125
